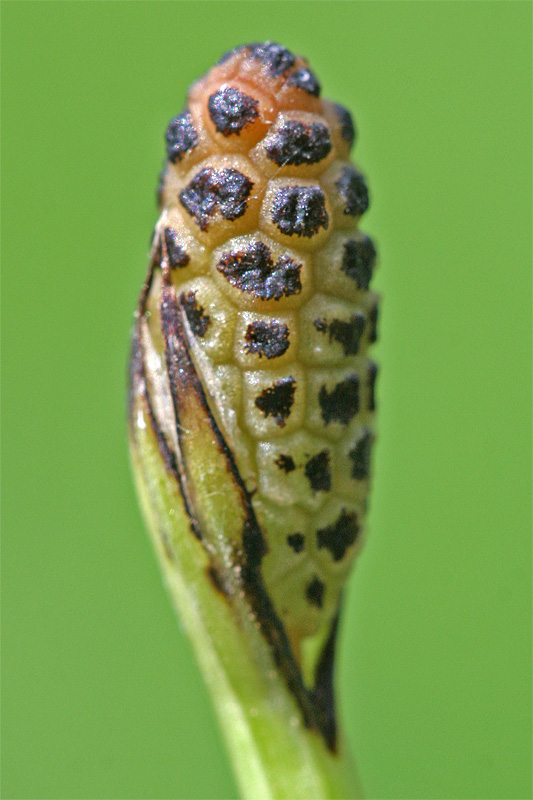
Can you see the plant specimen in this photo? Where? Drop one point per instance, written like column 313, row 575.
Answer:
column 252, row 404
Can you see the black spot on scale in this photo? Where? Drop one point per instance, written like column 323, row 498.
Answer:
column 360, row 456
column 317, row 471
column 253, row 270
column 347, row 334
column 315, row 592
column 177, row 256
column 297, row 143
column 372, row 375
column 270, row 339
column 198, row 319
column 286, row 463
column 342, row 403
column 340, row 535
column 225, row 190
column 181, row 136
column 278, row 59
column 306, row 80
column 300, row 210
column 353, row 190
column 296, row 541
column 231, row 110
column 276, row 401
column 358, row 260
column 346, row 124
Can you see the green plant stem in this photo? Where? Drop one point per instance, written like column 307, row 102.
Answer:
column 273, row 754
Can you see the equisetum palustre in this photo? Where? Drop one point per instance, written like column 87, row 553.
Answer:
column 252, row 330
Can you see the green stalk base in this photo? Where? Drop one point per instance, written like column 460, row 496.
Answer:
column 275, row 757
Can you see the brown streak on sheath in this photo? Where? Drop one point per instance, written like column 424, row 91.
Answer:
column 169, row 457
column 216, row 580
column 135, row 373
column 139, row 384
column 139, row 387
column 183, row 378
column 155, row 261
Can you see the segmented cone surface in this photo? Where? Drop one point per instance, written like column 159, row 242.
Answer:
column 258, row 239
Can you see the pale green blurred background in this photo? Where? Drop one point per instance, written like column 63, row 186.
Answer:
column 101, row 696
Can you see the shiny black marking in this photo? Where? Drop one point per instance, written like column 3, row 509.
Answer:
column 318, row 473
column 353, row 190
column 296, row 541
column 342, row 403
column 181, row 136
column 300, row 210
column 304, row 79
column 372, row 375
column 278, row 59
column 177, row 256
column 338, row 537
column 231, row 110
column 270, row 339
column 360, row 456
column 347, row 334
column 298, row 143
column 358, row 260
column 253, row 270
column 315, row 592
column 373, row 323
column 224, row 189
column 347, row 126
column 276, row 401
column 198, row 319
column 286, row 463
